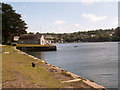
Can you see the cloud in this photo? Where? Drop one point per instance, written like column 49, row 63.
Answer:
column 79, row 26
column 88, row 2
column 24, row 16
column 23, row 7
column 85, row 27
column 58, row 22
column 114, row 22
column 94, row 18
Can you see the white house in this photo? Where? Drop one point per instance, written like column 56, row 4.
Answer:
column 32, row 39
column 16, row 38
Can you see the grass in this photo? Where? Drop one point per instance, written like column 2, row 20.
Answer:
column 15, row 63
column 33, row 45
column 8, row 49
column 66, row 74
column 17, row 70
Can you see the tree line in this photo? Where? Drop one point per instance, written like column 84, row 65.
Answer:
column 87, row 36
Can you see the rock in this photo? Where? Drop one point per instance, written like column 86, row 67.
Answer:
column 52, row 70
column 33, row 64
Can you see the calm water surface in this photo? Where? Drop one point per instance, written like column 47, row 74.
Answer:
column 94, row 61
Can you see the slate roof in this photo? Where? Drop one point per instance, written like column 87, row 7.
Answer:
column 29, row 36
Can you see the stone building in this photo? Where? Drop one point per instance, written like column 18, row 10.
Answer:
column 32, row 39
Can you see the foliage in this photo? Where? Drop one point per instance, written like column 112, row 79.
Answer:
column 117, row 34
column 88, row 36
column 12, row 24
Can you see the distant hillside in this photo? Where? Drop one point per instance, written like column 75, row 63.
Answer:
column 86, row 36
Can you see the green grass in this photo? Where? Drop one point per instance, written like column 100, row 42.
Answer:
column 65, row 73
column 21, row 64
column 8, row 49
column 33, row 45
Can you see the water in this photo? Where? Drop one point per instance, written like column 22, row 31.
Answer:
column 94, row 61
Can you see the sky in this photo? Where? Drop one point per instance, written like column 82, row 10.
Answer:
column 67, row 17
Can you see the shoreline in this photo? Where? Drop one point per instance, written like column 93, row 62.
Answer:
column 74, row 76
column 90, row 42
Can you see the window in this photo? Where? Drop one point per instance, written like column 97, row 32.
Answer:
column 36, row 41
column 22, row 42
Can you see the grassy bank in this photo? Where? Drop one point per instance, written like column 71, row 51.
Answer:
column 19, row 73
column 32, row 45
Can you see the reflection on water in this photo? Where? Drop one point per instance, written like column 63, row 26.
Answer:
column 94, row 61
column 37, row 54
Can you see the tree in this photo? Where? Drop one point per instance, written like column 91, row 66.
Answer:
column 12, row 24
column 117, row 34
column 118, row 31
column 37, row 33
column 31, row 33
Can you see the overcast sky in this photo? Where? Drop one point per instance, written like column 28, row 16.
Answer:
column 65, row 17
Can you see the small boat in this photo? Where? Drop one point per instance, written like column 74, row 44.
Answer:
column 75, row 46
